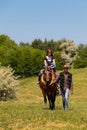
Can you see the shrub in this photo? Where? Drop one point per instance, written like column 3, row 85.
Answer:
column 8, row 83
column 80, row 63
column 81, row 60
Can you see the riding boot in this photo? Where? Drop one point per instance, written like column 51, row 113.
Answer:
column 39, row 78
column 39, row 75
column 38, row 81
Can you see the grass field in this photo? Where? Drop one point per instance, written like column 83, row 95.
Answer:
column 28, row 113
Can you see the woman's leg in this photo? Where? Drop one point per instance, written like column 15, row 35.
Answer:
column 39, row 75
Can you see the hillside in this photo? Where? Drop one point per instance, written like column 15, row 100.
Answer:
column 28, row 113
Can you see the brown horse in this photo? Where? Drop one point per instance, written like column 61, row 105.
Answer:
column 48, row 88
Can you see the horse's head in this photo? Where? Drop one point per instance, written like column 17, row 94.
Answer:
column 48, row 77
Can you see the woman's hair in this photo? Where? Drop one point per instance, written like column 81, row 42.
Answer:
column 49, row 50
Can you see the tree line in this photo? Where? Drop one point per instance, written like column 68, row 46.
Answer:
column 27, row 59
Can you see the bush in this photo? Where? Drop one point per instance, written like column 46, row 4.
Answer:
column 80, row 63
column 8, row 83
column 81, row 60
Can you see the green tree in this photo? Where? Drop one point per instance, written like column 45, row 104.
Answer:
column 37, row 43
column 6, row 41
column 6, row 47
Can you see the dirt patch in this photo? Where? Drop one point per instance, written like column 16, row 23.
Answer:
column 58, row 125
column 62, row 125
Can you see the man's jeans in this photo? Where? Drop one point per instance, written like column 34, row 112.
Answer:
column 65, row 95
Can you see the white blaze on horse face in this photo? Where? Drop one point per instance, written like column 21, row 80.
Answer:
column 53, row 78
column 47, row 76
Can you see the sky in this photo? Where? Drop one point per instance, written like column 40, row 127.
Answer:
column 25, row 20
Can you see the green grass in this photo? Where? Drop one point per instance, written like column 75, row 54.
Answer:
column 28, row 113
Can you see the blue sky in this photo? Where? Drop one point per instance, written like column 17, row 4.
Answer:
column 25, row 20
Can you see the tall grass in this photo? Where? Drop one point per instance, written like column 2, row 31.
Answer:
column 28, row 113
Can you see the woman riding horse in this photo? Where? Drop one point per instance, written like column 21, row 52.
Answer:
column 49, row 62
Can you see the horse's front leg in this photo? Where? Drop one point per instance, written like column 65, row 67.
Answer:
column 53, row 102
column 45, row 102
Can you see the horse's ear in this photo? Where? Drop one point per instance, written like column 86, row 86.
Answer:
column 42, row 79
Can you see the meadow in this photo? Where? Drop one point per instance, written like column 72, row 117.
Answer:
column 27, row 111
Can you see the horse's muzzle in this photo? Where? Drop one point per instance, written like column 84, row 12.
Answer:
column 47, row 82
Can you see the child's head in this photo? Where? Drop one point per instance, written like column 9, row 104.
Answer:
column 49, row 52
